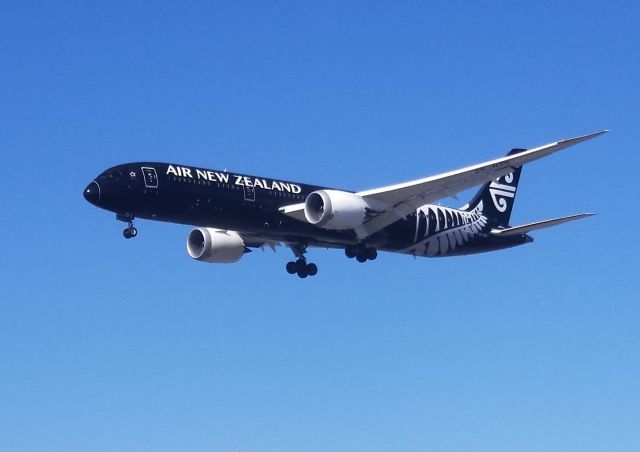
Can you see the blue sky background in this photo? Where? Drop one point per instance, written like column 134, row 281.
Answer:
column 114, row 345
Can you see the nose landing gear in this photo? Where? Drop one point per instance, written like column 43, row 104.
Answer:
column 130, row 231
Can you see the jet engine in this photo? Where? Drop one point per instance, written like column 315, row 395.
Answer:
column 334, row 209
column 215, row 245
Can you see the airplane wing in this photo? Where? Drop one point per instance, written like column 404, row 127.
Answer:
column 402, row 199
column 294, row 211
column 256, row 241
column 523, row 229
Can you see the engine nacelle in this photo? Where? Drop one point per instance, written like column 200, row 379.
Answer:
column 215, row 245
column 334, row 209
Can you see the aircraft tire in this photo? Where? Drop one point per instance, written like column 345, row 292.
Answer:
column 312, row 269
column 291, row 268
column 361, row 258
column 372, row 254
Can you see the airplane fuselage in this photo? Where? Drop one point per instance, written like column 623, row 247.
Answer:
column 250, row 205
column 233, row 213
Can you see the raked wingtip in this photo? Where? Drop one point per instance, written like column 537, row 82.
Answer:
column 580, row 139
column 596, row 134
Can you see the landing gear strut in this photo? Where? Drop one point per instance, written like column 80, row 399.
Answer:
column 362, row 253
column 130, row 231
column 300, row 266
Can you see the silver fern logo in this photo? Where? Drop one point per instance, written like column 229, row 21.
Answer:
column 501, row 192
column 445, row 229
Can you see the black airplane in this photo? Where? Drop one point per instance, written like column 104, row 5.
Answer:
column 235, row 212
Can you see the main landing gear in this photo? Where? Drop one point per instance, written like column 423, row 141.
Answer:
column 130, row 231
column 361, row 253
column 300, row 266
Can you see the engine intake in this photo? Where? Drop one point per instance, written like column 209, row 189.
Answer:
column 334, row 209
column 215, row 245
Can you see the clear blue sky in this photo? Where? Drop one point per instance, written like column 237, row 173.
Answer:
column 114, row 345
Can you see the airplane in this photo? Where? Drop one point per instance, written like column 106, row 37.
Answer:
column 235, row 213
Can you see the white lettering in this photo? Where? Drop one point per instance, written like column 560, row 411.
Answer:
column 243, row 181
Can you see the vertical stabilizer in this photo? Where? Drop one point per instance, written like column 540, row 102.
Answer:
column 497, row 197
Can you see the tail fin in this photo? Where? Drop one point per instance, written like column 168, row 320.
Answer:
column 497, row 197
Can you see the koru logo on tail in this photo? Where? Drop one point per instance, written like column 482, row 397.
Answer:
column 499, row 192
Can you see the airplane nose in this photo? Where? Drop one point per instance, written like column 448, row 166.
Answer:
column 92, row 192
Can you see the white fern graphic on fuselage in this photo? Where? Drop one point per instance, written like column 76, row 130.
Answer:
column 440, row 230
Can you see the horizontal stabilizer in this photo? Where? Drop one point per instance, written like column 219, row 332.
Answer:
column 517, row 230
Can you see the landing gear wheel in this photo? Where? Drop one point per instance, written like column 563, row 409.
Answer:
column 371, row 254
column 130, row 232
column 303, row 270
column 300, row 266
column 361, row 253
